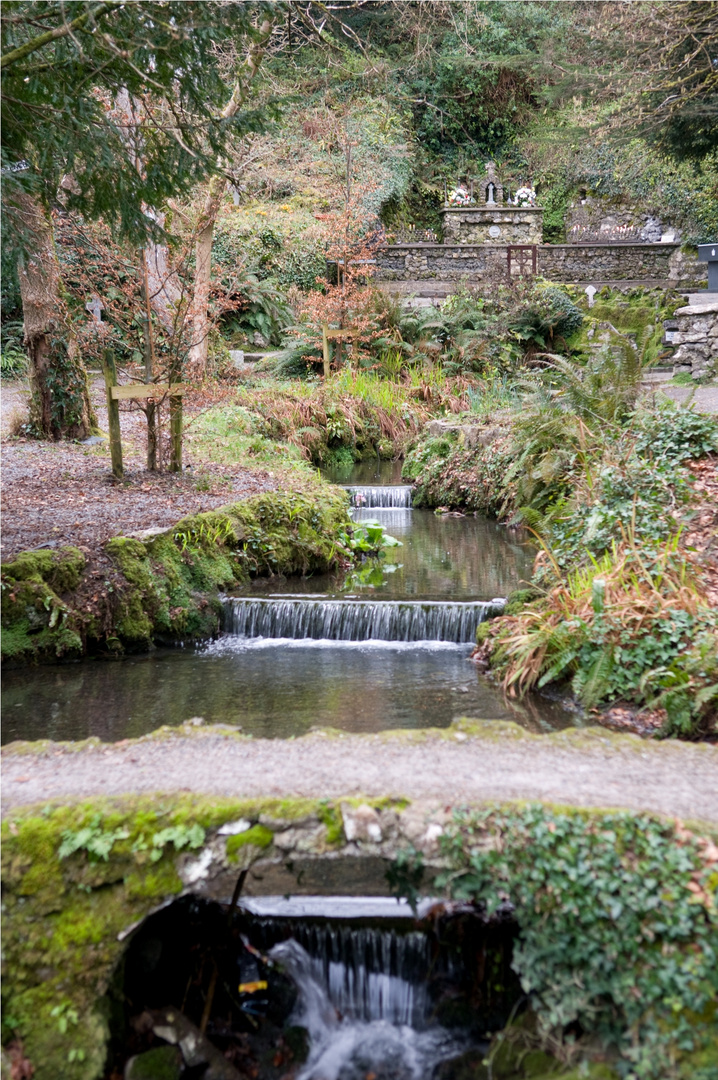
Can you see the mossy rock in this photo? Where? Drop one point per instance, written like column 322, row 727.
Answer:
column 36, row 621
column 65, row 916
column 519, row 599
column 167, row 588
column 160, row 1063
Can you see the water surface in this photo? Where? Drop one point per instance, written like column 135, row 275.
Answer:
column 281, row 686
column 270, row 687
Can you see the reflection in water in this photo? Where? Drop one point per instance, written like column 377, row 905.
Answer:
column 371, row 471
column 441, row 558
column 271, row 688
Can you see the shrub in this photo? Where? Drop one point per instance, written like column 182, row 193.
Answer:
column 618, row 939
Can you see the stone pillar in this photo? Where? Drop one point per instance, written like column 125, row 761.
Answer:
column 694, row 329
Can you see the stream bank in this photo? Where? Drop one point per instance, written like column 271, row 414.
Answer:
column 163, row 584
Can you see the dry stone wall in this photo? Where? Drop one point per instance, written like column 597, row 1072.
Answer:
column 694, row 329
column 597, row 264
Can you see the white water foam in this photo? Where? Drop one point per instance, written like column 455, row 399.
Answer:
column 344, row 1046
column 356, row 620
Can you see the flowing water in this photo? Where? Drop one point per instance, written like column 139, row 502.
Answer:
column 377, row 989
column 360, row 1022
column 383, row 647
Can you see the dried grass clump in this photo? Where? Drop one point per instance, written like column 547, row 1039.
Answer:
column 626, row 627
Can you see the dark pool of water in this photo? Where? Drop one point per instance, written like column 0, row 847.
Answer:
column 271, row 688
column 372, row 471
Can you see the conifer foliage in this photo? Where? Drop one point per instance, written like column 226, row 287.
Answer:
column 108, row 110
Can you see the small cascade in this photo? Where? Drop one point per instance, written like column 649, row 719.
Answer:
column 368, row 1009
column 398, row 496
column 356, row 620
column 369, row 973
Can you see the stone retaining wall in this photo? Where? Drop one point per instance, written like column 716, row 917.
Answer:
column 598, row 264
column 478, row 224
column 694, row 329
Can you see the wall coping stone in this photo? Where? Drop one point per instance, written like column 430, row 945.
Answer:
column 491, row 207
column 499, row 247
column 709, row 308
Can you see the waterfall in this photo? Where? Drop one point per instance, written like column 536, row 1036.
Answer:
column 370, row 974
column 360, row 1015
column 356, row 620
column 398, row 496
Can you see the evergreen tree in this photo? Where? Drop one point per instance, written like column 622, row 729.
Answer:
column 67, row 146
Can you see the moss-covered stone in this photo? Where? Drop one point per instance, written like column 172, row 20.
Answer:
column 65, row 916
column 35, row 619
column 166, row 587
column 258, row 836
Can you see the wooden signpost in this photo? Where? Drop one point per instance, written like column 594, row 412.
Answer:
column 141, row 392
column 330, row 335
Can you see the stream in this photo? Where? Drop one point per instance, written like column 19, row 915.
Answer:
column 383, row 647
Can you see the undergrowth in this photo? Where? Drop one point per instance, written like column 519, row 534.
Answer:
column 351, row 415
column 600, row 478
column 618, row 944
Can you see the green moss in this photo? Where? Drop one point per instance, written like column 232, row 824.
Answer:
column 167, row 587
column 518, row 599
column 259, row 836
column 61, row 570
column 63, row 915
column 330, row 816
column 35, row 620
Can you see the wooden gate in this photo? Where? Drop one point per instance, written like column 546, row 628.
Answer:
column 521, row 260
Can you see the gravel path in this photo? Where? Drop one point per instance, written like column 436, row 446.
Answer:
column 583, row 768
column 704, row 398
column 64, row 493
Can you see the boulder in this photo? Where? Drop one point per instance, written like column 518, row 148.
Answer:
column 162, row 1063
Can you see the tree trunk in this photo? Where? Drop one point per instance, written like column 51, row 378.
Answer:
column 199, row 349
column 60, row 395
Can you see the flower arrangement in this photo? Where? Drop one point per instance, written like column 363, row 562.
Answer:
column 525, row 196
column 460, row 197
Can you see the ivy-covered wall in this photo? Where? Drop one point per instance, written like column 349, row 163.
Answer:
column 618, row 946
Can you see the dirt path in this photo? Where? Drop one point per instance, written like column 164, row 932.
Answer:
column 64, row 493
column 492, row 761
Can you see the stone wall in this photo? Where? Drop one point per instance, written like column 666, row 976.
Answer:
column 479, row 224
column 694, row 329
column 597, row 264
column 603, row 215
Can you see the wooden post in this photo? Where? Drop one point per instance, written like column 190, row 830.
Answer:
column 175, row 433
column 113, row 413
column 325, row 350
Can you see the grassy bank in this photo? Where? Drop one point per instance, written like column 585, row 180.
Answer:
column 293, row 423
column 620, row 494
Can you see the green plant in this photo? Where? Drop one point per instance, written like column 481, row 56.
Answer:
column 259, row 308
column 618, row 943
column 13, row 358
column 92, row 838
column 547, row 314
column 369, row 538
